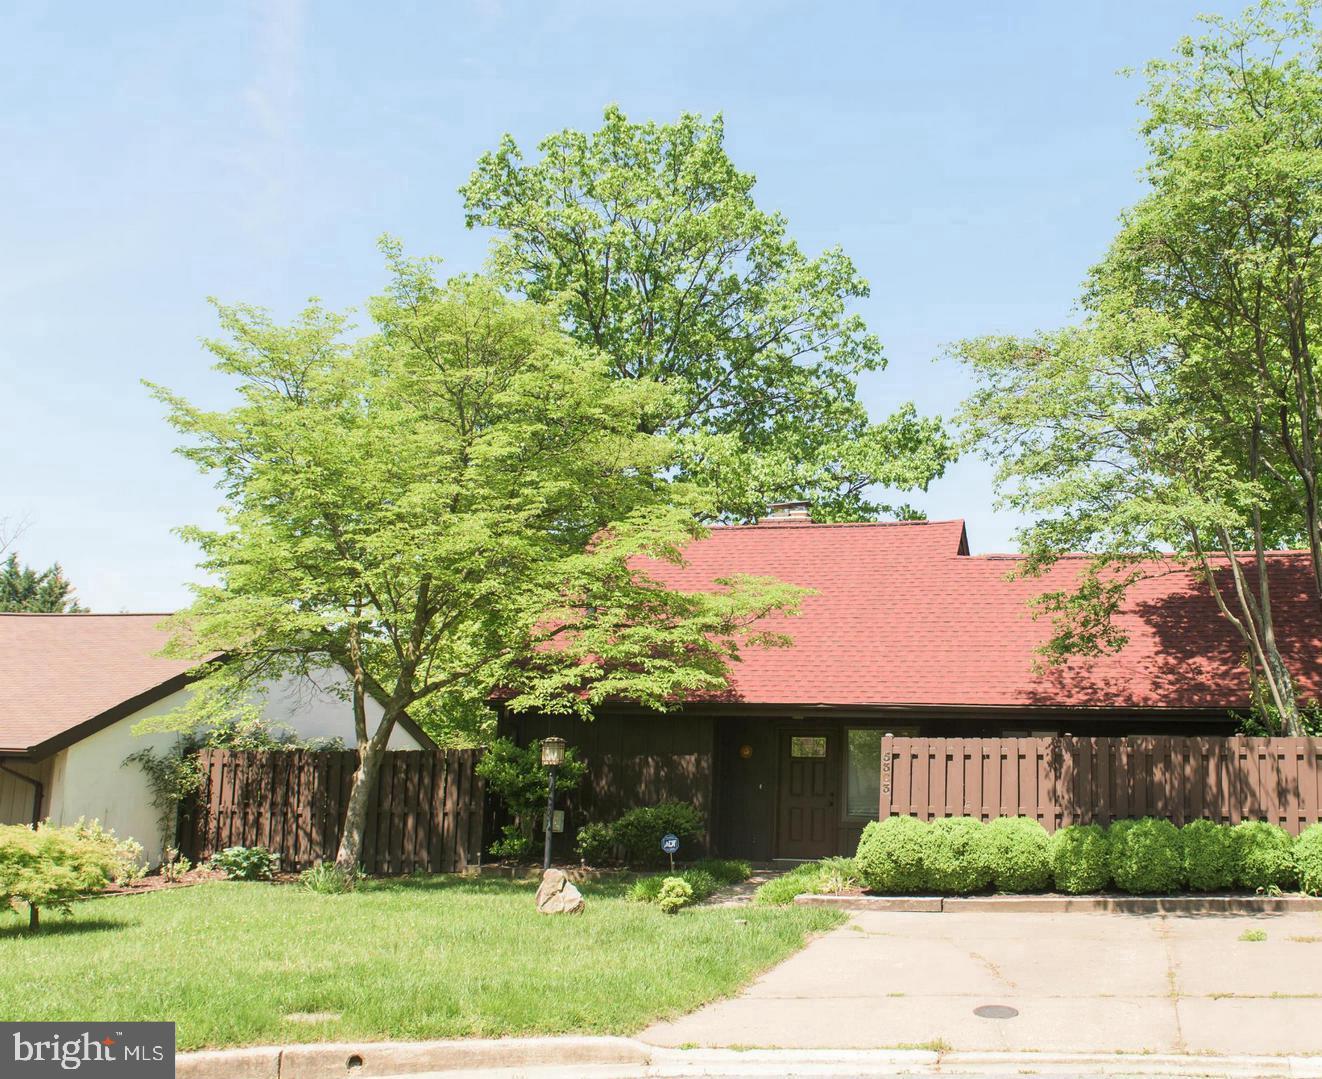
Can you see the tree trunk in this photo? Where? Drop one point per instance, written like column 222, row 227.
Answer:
column 349, row 856
column 34, row 918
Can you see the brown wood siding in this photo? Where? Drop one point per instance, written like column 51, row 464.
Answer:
column 1066, row 780
column 426, row 814
column 18, row 798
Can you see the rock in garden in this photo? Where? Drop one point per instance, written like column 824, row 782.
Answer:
column 555, row 895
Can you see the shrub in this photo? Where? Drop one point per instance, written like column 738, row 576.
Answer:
column 1078, row 859
column 1019, row 854
column 675, row 893
column 638, row 833
column 827, row 877
column 1145, row 856
column 725, row 870
column 955, row 856
column 1209, row 860
column 1308, row 859
column 515, row 775
column 1262, row 855
column 890, row 855
column 246, row 863
column 701, row 884
column 327, row 878
column 174, row 866
column 595, row 845
column 51, row 867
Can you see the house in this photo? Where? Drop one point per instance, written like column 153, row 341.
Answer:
column 73, row 687
column 908, row 633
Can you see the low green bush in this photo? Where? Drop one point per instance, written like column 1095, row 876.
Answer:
column 1078, row 859
column 676, row 892
column 595, row 845
column 326, row 878
column 246, row 863
column 1145, row 856
column 830, row 876
column 725, row 870
column 637, row 834
column 955, row 856
column 890, row 855
column 1262, row 856
column 1019, row 853
column 1209, row 859
column 1308, row 859
column 50, row 867
column 702, row 885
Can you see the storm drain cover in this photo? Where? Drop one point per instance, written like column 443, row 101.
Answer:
column 995, row 1011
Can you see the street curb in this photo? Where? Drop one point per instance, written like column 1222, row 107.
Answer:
column 379, row 1060
column 361, row 1060
column 1069, row 904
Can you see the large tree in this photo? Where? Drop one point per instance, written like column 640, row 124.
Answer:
column 1184, row 413
column 452, row 503
column 665, row 262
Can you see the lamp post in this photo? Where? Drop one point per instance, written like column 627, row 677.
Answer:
column 553, row 755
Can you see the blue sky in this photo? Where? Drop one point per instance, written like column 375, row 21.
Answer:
column 971, row 157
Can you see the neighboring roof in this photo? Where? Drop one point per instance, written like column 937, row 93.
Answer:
column 903, row 616
column 66, row 676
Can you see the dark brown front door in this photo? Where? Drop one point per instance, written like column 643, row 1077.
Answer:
column 805, row 811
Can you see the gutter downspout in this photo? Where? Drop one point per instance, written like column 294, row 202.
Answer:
column 38, row 790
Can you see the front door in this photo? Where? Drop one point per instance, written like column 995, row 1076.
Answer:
column 805, row 814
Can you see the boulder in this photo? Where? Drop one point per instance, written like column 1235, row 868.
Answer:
column 555, row 895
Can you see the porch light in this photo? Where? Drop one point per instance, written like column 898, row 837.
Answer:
column 553, row 752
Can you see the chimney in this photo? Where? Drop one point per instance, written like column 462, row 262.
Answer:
column 788, row 511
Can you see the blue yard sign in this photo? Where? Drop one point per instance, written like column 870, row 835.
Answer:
column 669, row 843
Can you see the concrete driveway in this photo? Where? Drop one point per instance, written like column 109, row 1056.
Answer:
column 1079, row 983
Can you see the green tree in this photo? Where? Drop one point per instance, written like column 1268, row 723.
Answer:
column 452, row 503
column 651, row 237
column 47, row 591
column 1182, row 414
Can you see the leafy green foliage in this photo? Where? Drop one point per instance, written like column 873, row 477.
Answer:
column 1182, row 414
column 25, row 589
column 451, row 503
column 955, row 857
column 1018, row 852
column 1079, row 861
column 675, row 893
column 1263, row 856
column 594, row 843
column 1308, row 859
column 327, row 878
column 703, row 877
column 516, row 776
column 50, row 867
column 637, row 834
column 830, row 876
column 890, row 855
column 651, row 238
column 1145, row 856
column 246, row 863
column 1209, row 860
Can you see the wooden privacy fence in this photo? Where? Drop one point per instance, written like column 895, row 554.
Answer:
column 426, row 813
column 1060, row 781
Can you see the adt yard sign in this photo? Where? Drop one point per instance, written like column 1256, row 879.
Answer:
column 670, row 844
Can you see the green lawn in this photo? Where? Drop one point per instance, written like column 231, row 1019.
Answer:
column 436, row 957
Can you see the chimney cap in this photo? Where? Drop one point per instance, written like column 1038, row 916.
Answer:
column 788, row 511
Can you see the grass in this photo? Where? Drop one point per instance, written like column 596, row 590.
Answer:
column 1253, row 936
column 430, row 957
column 826, row 877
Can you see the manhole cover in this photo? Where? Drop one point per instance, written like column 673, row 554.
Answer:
column 995, row 1011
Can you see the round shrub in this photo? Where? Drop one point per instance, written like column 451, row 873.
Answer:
column 1145, row 855
column 955, row 856
column 675, row 893
column 1262, row 855
column 1209, row 861
column 1018, row 852
column 1308, row 859
column 890, row 856
column 1078, row 859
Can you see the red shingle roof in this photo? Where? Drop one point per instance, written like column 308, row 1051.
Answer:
column 902, row 617
column 58, row 671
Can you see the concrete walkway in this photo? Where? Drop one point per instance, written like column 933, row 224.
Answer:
column 1080, row 983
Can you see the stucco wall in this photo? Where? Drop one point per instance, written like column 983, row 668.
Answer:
column 89, row 778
